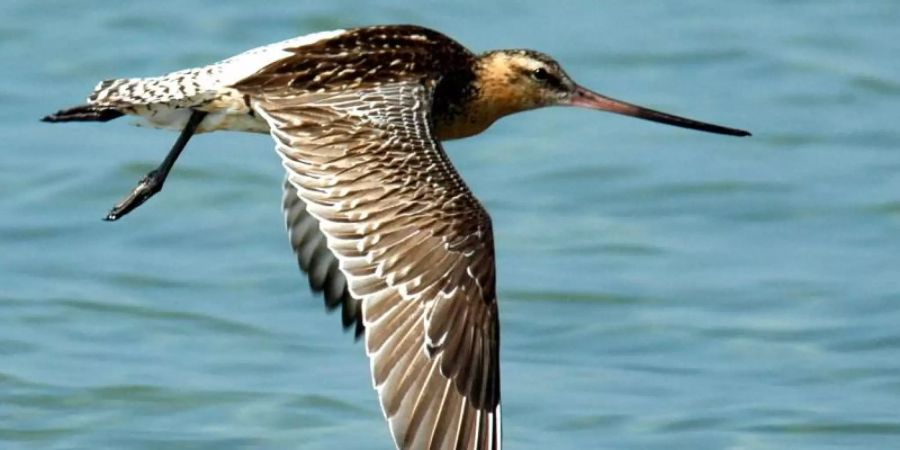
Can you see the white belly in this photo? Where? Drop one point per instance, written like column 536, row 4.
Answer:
column 163, row 116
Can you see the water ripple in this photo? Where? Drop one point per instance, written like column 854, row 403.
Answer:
column 205, row 321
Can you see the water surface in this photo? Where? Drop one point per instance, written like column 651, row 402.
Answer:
column 660, row 288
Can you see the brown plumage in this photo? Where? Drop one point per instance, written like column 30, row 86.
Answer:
column 380, row 220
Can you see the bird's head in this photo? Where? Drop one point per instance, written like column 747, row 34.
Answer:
column 519, row 80
column 511, row 81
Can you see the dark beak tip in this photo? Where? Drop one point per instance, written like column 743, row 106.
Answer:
column 742, row 133
column 588, row 99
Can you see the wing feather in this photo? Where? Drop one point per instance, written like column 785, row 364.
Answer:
column 317, row 261
column 412, row 243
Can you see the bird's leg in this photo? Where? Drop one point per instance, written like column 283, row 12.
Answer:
column 153, row 181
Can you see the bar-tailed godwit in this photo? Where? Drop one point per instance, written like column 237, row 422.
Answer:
column 380, row 220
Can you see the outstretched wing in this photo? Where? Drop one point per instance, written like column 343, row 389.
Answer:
column 414, row 245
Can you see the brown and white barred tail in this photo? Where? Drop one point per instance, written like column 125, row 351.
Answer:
column 109, row 100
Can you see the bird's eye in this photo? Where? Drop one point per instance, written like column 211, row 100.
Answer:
column 540, row 74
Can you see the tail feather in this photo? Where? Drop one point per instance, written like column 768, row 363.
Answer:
column 85, row 113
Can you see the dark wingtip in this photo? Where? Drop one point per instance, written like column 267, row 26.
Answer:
column 360, row 330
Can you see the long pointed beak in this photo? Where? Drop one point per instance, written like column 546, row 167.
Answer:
column 588, row 99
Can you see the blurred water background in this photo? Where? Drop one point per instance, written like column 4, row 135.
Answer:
column 660, row 288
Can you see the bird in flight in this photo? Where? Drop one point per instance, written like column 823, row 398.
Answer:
column 380, row 221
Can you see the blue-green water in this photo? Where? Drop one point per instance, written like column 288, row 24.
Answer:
column 660, row 288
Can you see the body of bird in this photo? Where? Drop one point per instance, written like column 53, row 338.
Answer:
column 379, row 219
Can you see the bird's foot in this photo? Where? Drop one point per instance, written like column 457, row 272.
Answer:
column 146, row 188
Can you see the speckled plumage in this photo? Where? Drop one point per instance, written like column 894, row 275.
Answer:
column 165, row 101
column 353, row 129
column 352, row 113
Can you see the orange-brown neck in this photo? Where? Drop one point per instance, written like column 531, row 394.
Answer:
column 495, row 91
